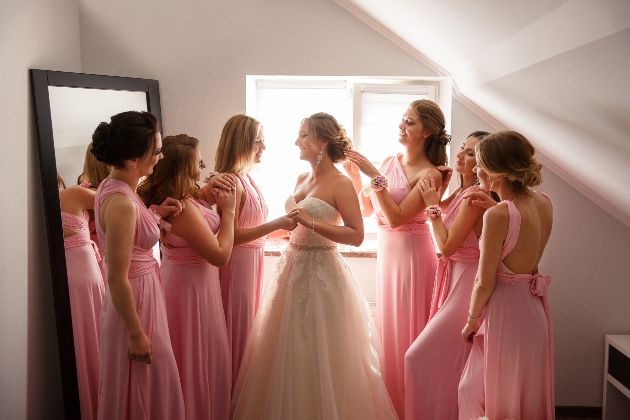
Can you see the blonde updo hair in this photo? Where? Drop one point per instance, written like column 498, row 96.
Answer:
column 509, row 155
column 93, row 170
column 434, row 122
column 236, row 146
column 326, row 128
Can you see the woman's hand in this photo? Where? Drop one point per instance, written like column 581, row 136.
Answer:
column 351, row 168
column 362, row 163
column 285, row 223
column 470, row 330
column 226, row 200
column 170, row 206
column 447, row 174
column 222, row 182
column 301, row 216
column 140, row 348
column 426, row 186
column 479, row 198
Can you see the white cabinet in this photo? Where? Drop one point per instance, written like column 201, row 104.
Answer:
column 616, row 404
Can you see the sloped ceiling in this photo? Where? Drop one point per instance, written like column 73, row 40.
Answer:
column 556, row 71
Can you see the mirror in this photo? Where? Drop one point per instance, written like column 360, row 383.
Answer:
column 68, row 107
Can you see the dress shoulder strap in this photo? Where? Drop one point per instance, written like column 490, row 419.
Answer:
column 514, row 228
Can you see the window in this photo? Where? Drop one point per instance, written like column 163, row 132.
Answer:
column 370, row 110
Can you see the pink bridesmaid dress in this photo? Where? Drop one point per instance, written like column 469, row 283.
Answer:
column 405, row 272
column 435, row 361
column 86, row 299
column 132, row 389
column 94, row 238
column 509, row 374
column 242, row 277
column 197, row 325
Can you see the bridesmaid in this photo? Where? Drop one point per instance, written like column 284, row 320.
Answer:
column 406, row 259
column 435, row 361
column 509, row 373
column 191, row 253
column 94, row 172
column 86, row 292
column 240, row 149
column 134, row 327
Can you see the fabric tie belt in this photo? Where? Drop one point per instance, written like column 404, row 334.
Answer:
column 411, row 227
column 443, row 275
column 538, row 283
column 183, row 256
column 142, row 262
column 81, row 239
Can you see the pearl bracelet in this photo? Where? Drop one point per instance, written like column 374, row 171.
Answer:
column 313, row 224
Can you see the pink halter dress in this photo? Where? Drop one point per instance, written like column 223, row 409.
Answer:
column 509, row 373
column 132, row 389
column 197, row 325
column 405, row 272
column 242, row 277
column 435, row 361
column 86, row 299
column 94, row 238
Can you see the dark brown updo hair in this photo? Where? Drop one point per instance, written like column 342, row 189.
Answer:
column 509, row 155
column 175, row 175
column 326, row 128
column 129, row 135
column 434, row 122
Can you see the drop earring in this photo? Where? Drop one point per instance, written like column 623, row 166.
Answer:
column 320, row 156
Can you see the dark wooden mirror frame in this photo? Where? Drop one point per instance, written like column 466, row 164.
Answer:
column 40, row 81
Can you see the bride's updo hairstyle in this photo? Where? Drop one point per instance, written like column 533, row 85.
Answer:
column 509, row 155
column 235, row 152
column 129, row 135
column 434, row 122
column 175, row 175
column 326, row 128
column 94, row 170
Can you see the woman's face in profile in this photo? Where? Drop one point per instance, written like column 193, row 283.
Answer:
column 466, row 161
column 154, row 156
column 484, row 179
column 259, row 145
column 199, row 163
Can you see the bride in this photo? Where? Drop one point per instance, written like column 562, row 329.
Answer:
column 313, row 351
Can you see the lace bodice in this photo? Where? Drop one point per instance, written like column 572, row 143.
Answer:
column 318, row 209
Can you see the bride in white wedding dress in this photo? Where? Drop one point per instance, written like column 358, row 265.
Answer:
column 313, row 351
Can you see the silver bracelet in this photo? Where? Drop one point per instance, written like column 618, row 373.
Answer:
column 313, row 224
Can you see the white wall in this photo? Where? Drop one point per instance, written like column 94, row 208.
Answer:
column 33, row 34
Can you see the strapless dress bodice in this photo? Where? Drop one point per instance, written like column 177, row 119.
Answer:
column 320, row 210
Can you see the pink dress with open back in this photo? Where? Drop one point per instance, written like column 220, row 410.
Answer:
column 197, row 325
column 435, row 361
column 133, row 389
column 86, row 299
column 242, row 277
column 405, row 272
column 509, row 374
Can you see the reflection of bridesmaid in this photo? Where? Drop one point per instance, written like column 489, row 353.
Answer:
column 435, row 361
column 134, row 327
column 240, row 149
column 406, row 260
column 86, row 292
column 191, row 284
column 94, row 172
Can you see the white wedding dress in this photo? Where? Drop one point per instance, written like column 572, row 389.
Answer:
column 313, row 351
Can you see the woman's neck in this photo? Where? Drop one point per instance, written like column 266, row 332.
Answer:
column 324, row 167
column 468, row 181
column 129, row 176
column 415, row 155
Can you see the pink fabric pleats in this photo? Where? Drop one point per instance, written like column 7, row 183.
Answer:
column 406, row 265
column 197, row 326
column 132, row 389
column 242, row 277
column 435, row 361
column 87, row 289
column 509, row 373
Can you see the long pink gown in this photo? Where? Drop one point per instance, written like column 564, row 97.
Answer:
column 313, row 352
column 94, row 238
column 86, row 299
column 435, row 361
column 133, row 389
column 242, row 277
column 509, row 374
column 405, row 272
column 197, row 325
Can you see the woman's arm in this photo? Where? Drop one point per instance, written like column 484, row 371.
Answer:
column 192, row 226
column 449, row 240
column 75, row 199
column 495, row 228
column 347, row 204
column 120, row 224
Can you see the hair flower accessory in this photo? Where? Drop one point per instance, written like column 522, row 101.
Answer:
column 433, row 212
column 85, row 184
column 210, row 175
